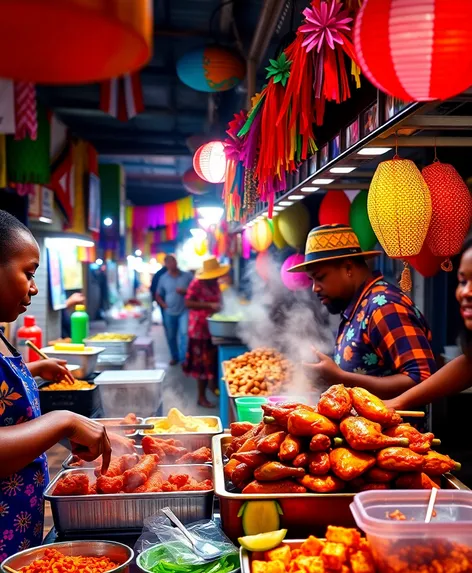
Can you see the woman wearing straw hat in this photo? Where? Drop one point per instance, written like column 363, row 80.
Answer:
column 203, row 299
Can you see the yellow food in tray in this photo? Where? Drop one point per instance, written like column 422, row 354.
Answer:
column 111, row 337
column 66, row 385
column 178, row 423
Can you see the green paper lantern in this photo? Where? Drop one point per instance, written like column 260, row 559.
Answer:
column 359, row 220
column 294, row 224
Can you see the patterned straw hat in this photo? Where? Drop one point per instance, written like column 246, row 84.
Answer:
column 330, row 242
column 212, row 270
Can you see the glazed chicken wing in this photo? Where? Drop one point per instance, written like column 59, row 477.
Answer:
column 106, row 484
column 320, row 443
column 371, row 407
column 348, row 464
column 290, row 448
column 271, row 443
column 282, row 486
column 242, row 475
column 436, row 464
column 400, row 460
column 153, row 484
column 335, row 402
column 73, row 484
column 274, row 471
column 419, row 443
column 318, row 463
column 322, row 484
column 200, row 456
column 303, row 422
column 362, row 434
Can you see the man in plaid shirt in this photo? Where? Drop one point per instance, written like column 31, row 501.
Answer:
column 383, row 341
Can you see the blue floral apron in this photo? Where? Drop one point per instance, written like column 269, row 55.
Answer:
column 21, row 494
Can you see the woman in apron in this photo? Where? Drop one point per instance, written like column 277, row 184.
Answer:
column 24, row 434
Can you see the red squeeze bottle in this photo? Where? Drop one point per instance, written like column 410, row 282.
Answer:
column 29, row 332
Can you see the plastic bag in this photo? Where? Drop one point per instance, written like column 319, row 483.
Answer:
column 164, row 549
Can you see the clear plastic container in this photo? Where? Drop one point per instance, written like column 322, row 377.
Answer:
column 409, row 544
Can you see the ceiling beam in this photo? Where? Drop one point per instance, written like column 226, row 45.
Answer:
column 422, row 141
column 438, row 122
column 138, row 150
column 83, row 108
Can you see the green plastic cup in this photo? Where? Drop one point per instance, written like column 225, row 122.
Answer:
column 249, row 409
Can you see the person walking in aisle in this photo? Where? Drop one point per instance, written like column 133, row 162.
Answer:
column 170, row 296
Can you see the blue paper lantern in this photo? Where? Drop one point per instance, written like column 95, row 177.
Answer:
column 211, row 69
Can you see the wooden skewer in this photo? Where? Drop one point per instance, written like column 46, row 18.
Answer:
column 411, row 413
column 36, row 349
column 10, row 569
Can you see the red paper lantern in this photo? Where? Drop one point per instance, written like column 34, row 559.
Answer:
column 416, row 51
column 74, row 41
column 452, row 210
column 334, row 209
column 425, row 262
column 209, row 162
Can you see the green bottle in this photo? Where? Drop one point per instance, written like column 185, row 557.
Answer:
column 79, row 324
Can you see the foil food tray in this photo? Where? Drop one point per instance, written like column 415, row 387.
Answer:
column 120, row 347
column 303, row 514
column 121, row 512
column 190, row 440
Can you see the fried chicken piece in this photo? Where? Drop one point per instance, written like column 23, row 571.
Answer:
column 230, row 467
column 348, row 464
column 301, row 461
column 280, row 412
column 205, row 485
column 322, row 484
column 237, row 443
column 371, row 407
column 92, row 489
column 252, row 458
column 114, row 469
column 436, row 464
column 240, row 428
column 138, row 475
column 153, row 484
column 362, row 434
column 200, row 456
column 335, row 402
column 415, row 481
column 73, row 484
column 106, row 484
column 271, row 443
column 242, row 475
column 130, row 418
column 320, row 443
column 318, row 463
column 302, row 422
column 419, row 443
column 121, row 445
column 376, row 475
column 400, row 460
column 275, row 471
column 179, row 480
column 163, row 448
column 283, row 486
column 290, row 448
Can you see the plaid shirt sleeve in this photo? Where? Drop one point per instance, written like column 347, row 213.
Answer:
column 401, row 340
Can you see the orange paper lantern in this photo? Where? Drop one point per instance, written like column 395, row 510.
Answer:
column 261, row 236
column 74, row 41
column 452, row 210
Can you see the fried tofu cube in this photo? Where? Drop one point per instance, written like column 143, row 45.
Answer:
column 309, row 564
column 275, row 567
column 348, row 536
column 362, row 562
column 296, row 553
column 258, row 566
column 334, row 555
column 281, row 553
column 312, row 546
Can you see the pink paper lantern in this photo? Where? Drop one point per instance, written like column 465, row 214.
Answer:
column 294, row 281
column 209, row 162
column 416, row 51
column 246, row 244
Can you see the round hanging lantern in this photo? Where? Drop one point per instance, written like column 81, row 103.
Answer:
column 399, row 207
column 74, row 41
column 195, row 184
column 416, row 51
column 294, row 224
column 211, row 69
column 334, row 209
column 262, row 265
column 294, row 281
column 209, row 162
column 359, row 221
column 425, row 262
column 279, row 241
column 261, row 236
column 452, row 210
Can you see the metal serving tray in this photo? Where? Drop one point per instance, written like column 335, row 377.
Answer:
column 245, row 556
column 113, row 513
column 113, row 346
column 304, row 514
column 190, row 440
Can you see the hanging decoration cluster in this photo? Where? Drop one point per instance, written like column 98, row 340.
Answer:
column 277, row 134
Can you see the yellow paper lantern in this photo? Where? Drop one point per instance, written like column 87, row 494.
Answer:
column 294, row 224
column 200, row 247
column 399, row 207
column 261, row 236
column 279, row 241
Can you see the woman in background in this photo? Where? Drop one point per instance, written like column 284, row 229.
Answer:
column 456, row 376
column 203, row 299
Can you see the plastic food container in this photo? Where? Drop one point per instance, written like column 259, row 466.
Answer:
column 85, row 359
column 249, row 409
column 397, row 544
column 124, row 391
column 117, row 552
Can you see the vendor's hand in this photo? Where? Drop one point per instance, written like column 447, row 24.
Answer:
column 121, row 444
column 53, row 370
column 215, row 306
column 89, row 440
column 395, row 404
column 76, row 298
column 326, row 369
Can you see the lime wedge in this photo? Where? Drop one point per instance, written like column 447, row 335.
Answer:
column 263, row 541
column 260, row 516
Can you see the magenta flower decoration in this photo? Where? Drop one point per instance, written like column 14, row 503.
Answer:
column 324, row 25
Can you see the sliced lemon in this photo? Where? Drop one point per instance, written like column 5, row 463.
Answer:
column 263, row 541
